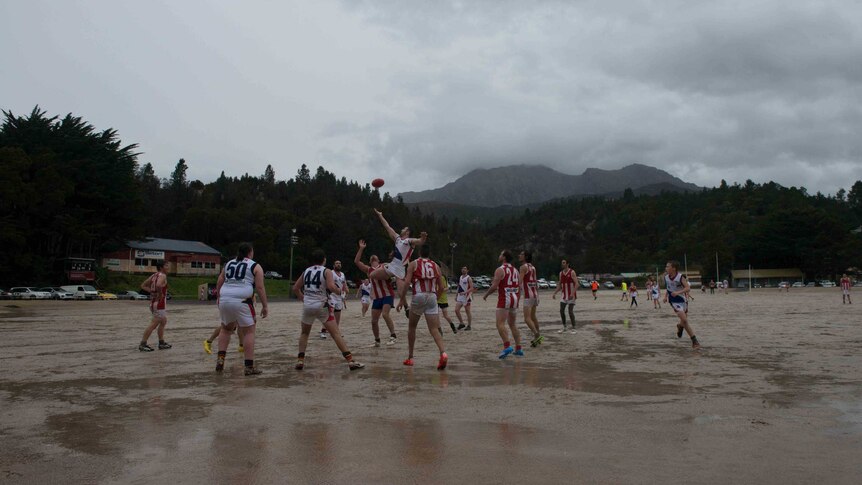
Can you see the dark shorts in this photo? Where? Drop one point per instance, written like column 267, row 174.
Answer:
column 443, row 305
column 379, row 303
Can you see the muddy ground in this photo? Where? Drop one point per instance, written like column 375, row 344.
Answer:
column 775, row 396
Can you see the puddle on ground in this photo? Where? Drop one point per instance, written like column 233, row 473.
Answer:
column 102, row 430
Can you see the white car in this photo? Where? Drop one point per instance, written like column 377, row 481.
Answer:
column 82, row 292
column 131, row 295
column 543, row 284
column 58, row 293
column 25, row 293
column 552, row 284
column 827, row 284
column 797, row 284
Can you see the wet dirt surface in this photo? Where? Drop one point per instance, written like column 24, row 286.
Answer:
column 775, row 396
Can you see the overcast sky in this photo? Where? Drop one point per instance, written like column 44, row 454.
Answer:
column 421, row 92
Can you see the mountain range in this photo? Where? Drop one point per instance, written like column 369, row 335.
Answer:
column 525, row 185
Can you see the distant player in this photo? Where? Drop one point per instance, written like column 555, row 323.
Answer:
column 157, row 286
column 364, row 294
column 382, row 297
column 423, row 276
column 633, row 294
column 464, row 298
column 404, row 245
column 507, row 284
column 337, row 299
column 625, row 295
column 239, row 280
column 594, row 287
column 443, row 302
column 845, row 290
column 312, row 289
column 725, row 285
column 530, row 294
column 568, row 277
column 677, row 286
column 655, row 294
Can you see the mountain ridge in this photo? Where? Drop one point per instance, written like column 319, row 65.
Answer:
column 521, row 185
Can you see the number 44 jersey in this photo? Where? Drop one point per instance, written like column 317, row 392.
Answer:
column 238, row 280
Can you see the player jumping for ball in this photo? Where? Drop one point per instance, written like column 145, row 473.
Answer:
column 404, row 246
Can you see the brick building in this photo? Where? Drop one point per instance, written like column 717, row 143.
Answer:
column 187, row 258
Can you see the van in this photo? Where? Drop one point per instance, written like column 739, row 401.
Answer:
column 82, row 292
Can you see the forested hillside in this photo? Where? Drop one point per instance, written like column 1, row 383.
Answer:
column 71, row 190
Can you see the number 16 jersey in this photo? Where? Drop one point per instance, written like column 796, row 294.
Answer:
column 238, row 280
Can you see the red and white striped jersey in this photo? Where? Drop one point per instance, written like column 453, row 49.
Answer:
column 567, row 284
column 845, row 284
column 426, row 276
column 509, row 287
column 380, row 288
column 530, row 284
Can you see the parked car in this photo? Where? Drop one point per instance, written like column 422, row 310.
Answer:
column 5, row 295
column 552, row 284
column 543, row 284
column 609, row 285
column 810, row 284
column 827, row 284
column 273, row 275
column 104, row 295
column 58, row 293
column 453, row 285
column 26, row 293
column 82, row 292
column 584, row 283
column 784, row 284
column 351, row 284
column 798, row 284
column 131, row 295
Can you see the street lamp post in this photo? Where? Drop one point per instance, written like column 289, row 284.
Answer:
column 294, row 240
column 453, row 245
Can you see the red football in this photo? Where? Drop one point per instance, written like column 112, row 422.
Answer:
column 377, row 183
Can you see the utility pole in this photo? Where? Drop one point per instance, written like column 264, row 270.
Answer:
column 453, row 245
column 717, row 277
column 294, row 240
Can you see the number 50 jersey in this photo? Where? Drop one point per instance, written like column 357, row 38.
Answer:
column 238, row 280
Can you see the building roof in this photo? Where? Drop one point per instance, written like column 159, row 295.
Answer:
column 173, row 245
column 739, row 274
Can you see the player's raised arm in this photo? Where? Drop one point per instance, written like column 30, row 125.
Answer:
column 498, row 275
column 358, row 259
column 386, row 225
column 260, row 288
column 416, row 242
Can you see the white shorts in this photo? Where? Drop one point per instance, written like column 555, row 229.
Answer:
column 568, row 302
column 337, row 305
column 463, row 300
column 846, row 292
column 365, row 299
column 310, row 314
column 159, row 313
column 528, row 302
column 236, row 311
column 680, row 306
column 396, row 269
column 424, row 303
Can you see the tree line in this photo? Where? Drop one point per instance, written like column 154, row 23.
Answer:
column 68, row 189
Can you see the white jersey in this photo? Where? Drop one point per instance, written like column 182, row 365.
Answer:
column 365, row 289
column 402, row 252
column 673, row 285
column 340, row 282
column 463, row 284
column 314, row 287
column 238, row 280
